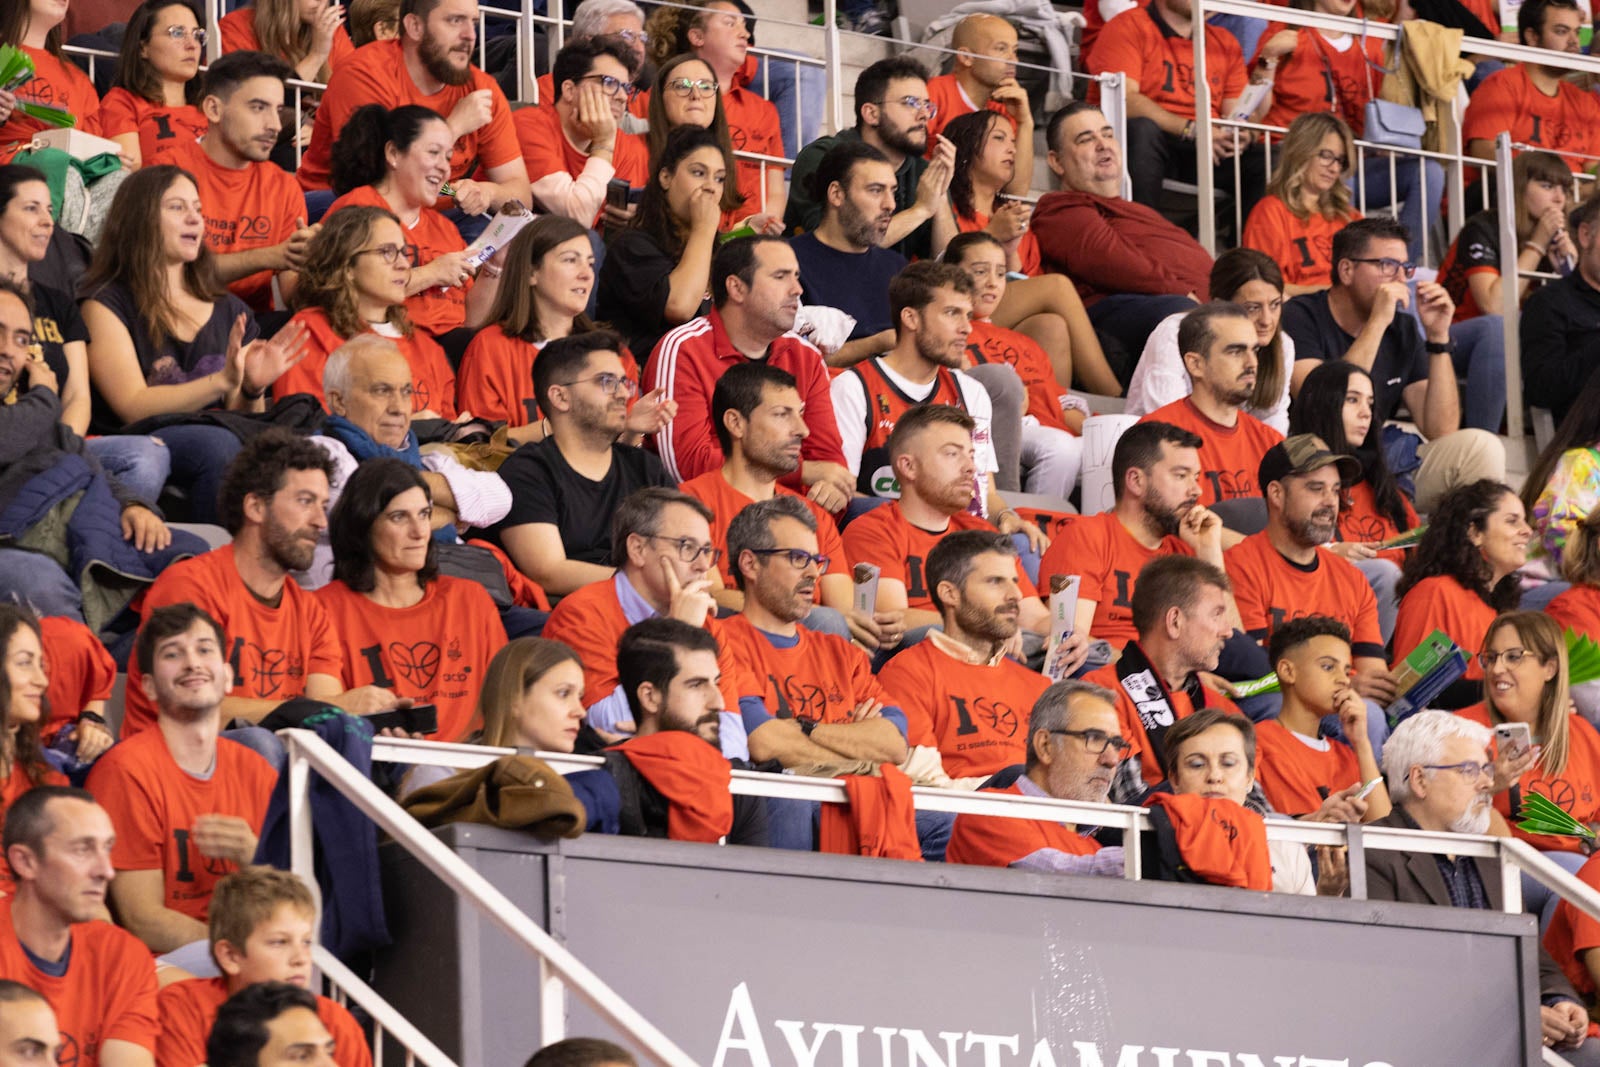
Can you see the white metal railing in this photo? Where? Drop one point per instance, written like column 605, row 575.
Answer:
column 348, row 988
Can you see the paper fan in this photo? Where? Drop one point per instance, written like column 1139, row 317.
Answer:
column 1543, row 816
column 1583, row 658
column 1267, row 683
column 15, row 67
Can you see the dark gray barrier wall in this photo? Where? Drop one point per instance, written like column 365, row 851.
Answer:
column 756, row 958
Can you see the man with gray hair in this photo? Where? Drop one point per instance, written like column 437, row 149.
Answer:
column 367, row 387
column 1441, row 778
column 1074, row 745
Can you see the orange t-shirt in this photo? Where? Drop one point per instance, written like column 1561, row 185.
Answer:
column 376, row 74
column 991, row 841
column 952, row 101
column 436, row 309
column 1133, row 730
column 1027, row 248
column 976, row 715
column 1317, row 77
column 188, row 1009
column 1577, row 609
column 1576, row 790
column 272, row 649
column 1230, row 456
column 546, row 150
column 1360, row 520
column 18, row 782
column 496, row 379
column 434, row 651
column 238, row 29
column 713, row 490
column 160, row 128
column 57, row 82
column 1304, row 249
column 1292, row 772
column 257, row 207
column 1442, row 603
column 153, row 804
column 1571, row 934
column 80, row 669
column 885, row 537
column 821, row 678
column 107, row 994
column 1136, row 44
column 1270, row 589
column 1567, row 123
column 989, row 343
column 432, row 383
column 1107, row 559
column 753, row 126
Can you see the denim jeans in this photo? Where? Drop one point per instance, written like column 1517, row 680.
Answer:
column 140, row 464
column 200, row 458
column 1418, row 211
column 1480, row 360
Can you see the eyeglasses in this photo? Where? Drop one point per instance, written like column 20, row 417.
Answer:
column 687, row 87
column 390, row 253
column 798, row 558
column 633, row 36
column 1390, row 267
column 1471, row 769
column 608, row 383
column 612, row 86
column 386, row 392
column 1512, row 656
column 689, row 549
column 914, row 103
column 1097, row 741
column 179, row 33
column 1333, row 157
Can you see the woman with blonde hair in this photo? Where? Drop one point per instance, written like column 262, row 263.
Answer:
column 1307, row 202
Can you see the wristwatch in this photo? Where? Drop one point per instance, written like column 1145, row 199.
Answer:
column 1439, row 348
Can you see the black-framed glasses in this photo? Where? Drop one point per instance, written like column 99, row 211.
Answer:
column 1333, row 157
column 180, row 33
column 689, row 549
column 687, row 87
column 798, row 558
column 612, row 86
column 390, row 253
column 1512, row 656
column 916, row 104
column 1470, row 769
column 1389, row 268
column 609, row 383
column 1097, row 741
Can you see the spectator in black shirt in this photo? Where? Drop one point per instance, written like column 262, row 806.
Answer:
column 1363, row 318
column 565, row 487
column 1561, row 323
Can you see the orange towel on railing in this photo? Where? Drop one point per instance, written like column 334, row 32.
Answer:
column 693, row 776
column 1221, row 842
column 880, row 819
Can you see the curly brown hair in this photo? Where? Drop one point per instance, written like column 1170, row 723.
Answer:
column 325, row 277
column 1446, row 548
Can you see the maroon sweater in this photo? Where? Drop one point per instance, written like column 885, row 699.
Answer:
column 1117, row 246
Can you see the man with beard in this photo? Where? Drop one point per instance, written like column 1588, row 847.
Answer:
column 1074, row 746
column 255, row 213
column 281, row 644
column 755, row 294
column 1441, row 778
column 966, row 702
column 566, row 488
column 100, row 981
column 983, row 74
column 892, row 115
column 429, row 64
column 1285, row 572
column 1218, row 342
column 1155, row 476
column 186, row 803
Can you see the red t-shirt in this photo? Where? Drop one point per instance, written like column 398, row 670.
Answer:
column 153, row 804
column 376, row 74
column 1027, row 248
column 434, row 651
column 1303, row 248
column 238, row 29
column 1107, row 559
column 436, row 309
column 1318, row 77
column 1230, row 456
column 976, row 715
column 1442, row 603
column 989, row 343
column 19, row 782
column 1132, row 723
column 546, row 150
column 1576, row 790
column 1292, row 772
column 821, row 677
column 1571, row 934
column 496, row 379
column 257, row 207
column 1137, row 44
column 272, row 649
column 189, row 1008
column 432, row 383
column 107, row 994
column 1360, row 520
column 991, row 841
column 952, row 101
column 57, row 82
column 713, row 490
column 1567, row 123
column 1270, row 589
column 160, row 128
column 81, row 670
column 885, row 537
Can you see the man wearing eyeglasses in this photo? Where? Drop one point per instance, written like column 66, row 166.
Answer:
column 1074, row 747
column 573, row 147
column 1441, row 779
column 1364, row 318
column 893, row 114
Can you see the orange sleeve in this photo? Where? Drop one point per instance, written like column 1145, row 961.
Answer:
column 1121, row 47
column 497, row 141
column 131, row 1014
column 239, row 34
column 1234, row 75
column 1076, row 545
column 325, row 652
column 1439, row 604
column 590, row 627
column 912, row 694
column 432, row 381
column 538, row 132
column 1265, row 231
column 1493, row 108
column 1243, row 564
column 865, row 541
column 185, row 1024
column 306, row 376
column 479, row 386
column 343, row 48
column 350, row 1042
column 117, row 114
column 118, row 782
column 79, row 667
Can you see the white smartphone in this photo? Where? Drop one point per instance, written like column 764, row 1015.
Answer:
column 1510, row 737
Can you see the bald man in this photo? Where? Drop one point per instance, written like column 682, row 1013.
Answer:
column 985, row 75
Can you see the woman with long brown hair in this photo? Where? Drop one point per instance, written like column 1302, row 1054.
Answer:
column 23, row 682
column 156, row 84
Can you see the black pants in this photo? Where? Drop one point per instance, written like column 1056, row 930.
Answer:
column 1154, row 155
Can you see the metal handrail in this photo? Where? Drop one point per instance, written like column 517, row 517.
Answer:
column 415, row 1042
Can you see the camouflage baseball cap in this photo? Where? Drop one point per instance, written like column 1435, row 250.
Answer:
column 1302, row 454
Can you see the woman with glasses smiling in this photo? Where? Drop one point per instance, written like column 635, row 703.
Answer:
column 686, row 93
column 156, row 81
column 1307, row 202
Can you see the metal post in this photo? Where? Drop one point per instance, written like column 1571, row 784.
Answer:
column 1205, row 177
column 302, row 841
column 1114, row 106
column 832, row 48
column 214, row 15
column 552, row 1005
column 1506, row 209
